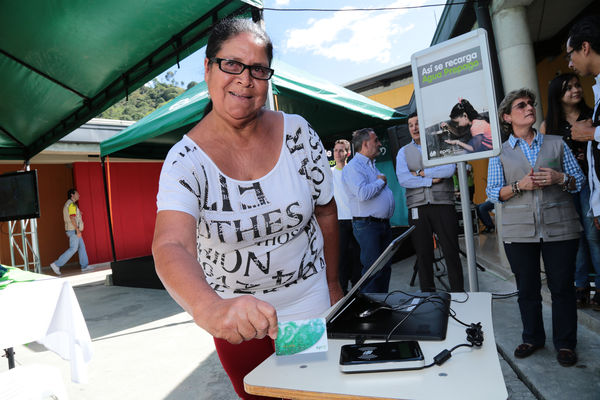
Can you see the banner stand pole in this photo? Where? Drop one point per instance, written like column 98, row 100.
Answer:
column 467, row 226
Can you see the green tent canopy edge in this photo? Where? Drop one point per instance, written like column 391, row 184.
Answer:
column 332, row 110
column 65, row 62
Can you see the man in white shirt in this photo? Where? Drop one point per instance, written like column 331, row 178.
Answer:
column 583, row 52
column 372, row 206
column 349, row 265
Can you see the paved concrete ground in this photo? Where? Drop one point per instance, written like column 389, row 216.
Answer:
column 545, row 378
column 146, row 347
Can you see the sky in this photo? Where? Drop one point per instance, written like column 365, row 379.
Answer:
column 341, row 46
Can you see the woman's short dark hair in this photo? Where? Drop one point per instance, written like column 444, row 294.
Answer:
column 464, row 106
column 228, row 28
column 505, row 106
column 586, row 29
column 359, row 137
column 70, row 193
column 555, row 115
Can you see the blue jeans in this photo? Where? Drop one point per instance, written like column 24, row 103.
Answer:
column 588, row 254
column 483, row 212
column 76, row 245
column 373, row 237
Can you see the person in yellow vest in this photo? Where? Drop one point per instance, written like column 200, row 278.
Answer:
column 73, row 228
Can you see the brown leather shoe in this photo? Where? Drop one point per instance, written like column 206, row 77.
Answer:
column 525, row 350
column 566, row 357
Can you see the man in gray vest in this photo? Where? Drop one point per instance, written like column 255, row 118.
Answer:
column 430, row 202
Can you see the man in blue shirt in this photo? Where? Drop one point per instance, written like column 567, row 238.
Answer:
column 430, row 202
column 371, row 204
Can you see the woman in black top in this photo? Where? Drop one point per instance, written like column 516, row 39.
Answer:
column 565, row 106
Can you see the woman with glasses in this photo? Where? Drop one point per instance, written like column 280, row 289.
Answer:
column 474, row 132
column 531, row 179
column 566, row 106
column 246, row 231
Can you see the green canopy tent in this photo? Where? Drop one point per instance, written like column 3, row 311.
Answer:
column 63, row 62
column 333, row 111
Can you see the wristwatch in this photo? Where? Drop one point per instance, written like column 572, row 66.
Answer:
column 419, row 172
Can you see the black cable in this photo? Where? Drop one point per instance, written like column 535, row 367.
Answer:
column 474, row 337
column 474, row 330
column 498, row 296
column 433, row 299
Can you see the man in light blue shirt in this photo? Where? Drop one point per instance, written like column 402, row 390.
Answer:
column 371, row 204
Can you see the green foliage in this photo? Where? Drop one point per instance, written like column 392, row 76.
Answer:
column 143, row 101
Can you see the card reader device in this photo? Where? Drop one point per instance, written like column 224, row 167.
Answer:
column 381, row 356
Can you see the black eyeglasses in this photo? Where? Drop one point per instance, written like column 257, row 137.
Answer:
column 568, row 55
column 523, row 104
column 236, row 68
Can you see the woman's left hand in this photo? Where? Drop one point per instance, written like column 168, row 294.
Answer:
column 547, row 177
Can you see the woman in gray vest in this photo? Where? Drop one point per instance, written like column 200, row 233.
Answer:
column 531, row 179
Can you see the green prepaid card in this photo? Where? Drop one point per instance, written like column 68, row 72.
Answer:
column 303, row 336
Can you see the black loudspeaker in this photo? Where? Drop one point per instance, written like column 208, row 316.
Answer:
column 406, row 248
column 461, row 222
column 136, row 272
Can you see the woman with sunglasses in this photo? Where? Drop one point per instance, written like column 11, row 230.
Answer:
column 246, row 230
column 566, row 106
column 465, row 119
column 531, row 179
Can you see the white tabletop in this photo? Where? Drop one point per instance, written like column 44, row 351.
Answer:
column 46, row 311
column 471, row 373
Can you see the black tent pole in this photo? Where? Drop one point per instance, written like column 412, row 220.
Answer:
column 108, row 212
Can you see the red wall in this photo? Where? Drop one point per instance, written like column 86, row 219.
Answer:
column 92, row 203
column 53, row 182
column 133, row 188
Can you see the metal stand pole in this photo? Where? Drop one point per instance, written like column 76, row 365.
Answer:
column 10, row 355
column 11, row 240
column 24, row 253
column 465, row 203
column 35, row 248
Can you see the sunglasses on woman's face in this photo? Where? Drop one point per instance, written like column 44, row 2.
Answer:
column 523, row 104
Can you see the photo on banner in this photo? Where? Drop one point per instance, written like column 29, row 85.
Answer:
column 454, row 91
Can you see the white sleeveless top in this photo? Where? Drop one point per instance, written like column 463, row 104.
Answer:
column 258, row 237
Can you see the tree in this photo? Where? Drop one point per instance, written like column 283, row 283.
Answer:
column 144, row 100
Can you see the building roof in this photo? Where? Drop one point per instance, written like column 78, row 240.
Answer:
column 382, row 78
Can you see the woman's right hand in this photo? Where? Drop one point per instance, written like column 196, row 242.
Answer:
column 527, row 182
column 238, row 319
